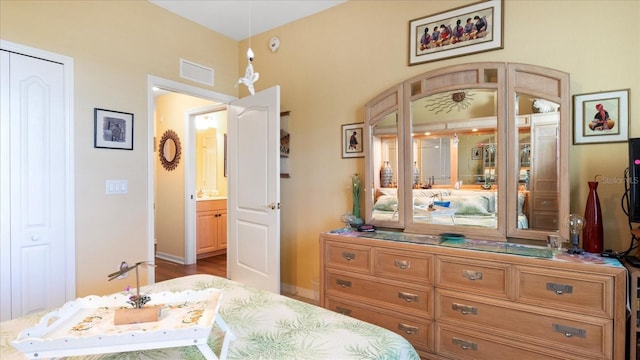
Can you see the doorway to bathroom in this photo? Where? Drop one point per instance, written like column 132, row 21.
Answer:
column 172, row 191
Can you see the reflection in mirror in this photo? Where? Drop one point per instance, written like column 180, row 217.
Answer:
column 206, row 162
column 455, row 151
column 169, row 150
column 538, row 143
column 384, row 144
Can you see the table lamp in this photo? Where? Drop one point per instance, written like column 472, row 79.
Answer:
column 575, row 223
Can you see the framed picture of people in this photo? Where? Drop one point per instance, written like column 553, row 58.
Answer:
column 352, row 137
column 112, row 129
column 457, row 32
column 601, row 117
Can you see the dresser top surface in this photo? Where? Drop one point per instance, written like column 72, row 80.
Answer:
column 485, row 246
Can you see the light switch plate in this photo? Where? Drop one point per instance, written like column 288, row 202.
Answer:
column 116, row 187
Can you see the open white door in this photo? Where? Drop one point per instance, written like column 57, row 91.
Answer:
column 253, row 164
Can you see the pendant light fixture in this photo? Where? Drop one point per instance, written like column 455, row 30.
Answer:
column 250, row 76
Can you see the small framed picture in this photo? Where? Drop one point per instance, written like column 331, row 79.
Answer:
column 601, row 117
column 476, row 153
column 112, row 129
column 525, row 155
column 352, row 137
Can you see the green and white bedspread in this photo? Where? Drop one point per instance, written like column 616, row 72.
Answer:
column 266, row 326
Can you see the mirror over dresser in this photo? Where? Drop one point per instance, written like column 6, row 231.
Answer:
column 479, row 149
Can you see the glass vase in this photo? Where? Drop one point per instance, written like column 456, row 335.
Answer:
column 356, row 184
column 592, row 232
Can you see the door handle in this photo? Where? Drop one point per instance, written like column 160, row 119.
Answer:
column 274, row 206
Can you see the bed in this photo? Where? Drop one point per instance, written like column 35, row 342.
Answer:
column 448, row 207
column 265, row 326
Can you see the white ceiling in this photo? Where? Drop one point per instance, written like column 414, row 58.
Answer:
column 231, row 18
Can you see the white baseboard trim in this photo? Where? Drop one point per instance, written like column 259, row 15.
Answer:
column 169, row 257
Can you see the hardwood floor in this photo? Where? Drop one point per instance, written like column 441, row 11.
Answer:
column 215, row 265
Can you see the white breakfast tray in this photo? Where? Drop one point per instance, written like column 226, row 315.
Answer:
column 85, row 326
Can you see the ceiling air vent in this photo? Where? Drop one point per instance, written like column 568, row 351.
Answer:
column 196, row 72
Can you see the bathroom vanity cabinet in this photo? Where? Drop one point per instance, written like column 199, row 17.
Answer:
column 211, row 227
column 457, row 303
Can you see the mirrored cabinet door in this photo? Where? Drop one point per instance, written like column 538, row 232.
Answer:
column 539, row 130
column 383, row 166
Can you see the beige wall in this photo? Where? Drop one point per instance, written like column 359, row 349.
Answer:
column 328, row 66
column 115, row 46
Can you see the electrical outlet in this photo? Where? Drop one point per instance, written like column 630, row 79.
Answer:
column 123, row 265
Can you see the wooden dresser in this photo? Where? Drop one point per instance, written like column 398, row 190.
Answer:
column 456, row 303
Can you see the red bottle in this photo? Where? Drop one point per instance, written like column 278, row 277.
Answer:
column 592, row 232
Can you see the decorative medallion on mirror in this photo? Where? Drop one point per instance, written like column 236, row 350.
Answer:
column 448, row 135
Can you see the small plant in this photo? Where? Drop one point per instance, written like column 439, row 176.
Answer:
column 136, row 300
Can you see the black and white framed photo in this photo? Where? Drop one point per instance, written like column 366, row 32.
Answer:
column 601, row 117
column 352, row 137
column 476, row 153
column 112, row 129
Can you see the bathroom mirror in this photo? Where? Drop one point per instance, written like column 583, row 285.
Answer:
column 466, row 152
column 206, row 162
column 169, row 150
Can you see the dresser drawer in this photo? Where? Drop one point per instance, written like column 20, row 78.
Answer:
column 404, row 266
column 571, row 291
column 561, row 330
column 403, row 298
column 455, row 343
column 417, row 331
column 493, row 279
column 348, row 257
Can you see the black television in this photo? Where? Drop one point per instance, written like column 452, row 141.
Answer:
column 633, row 180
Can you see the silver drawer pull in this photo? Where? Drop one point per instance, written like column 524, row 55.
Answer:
column 343, row 283
column 465, row 345
column 402, row 264
column 472, row 275
column 408, row 329
column 569, row 331
column 465, row 309
column 343, row 311
column 408, row 297
column 560, row 288
column 349, row 256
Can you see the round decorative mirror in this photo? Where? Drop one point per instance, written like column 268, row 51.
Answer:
column 170, row 150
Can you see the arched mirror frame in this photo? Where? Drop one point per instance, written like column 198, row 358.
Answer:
column 490, row 76
column 551, row 85
column 507, row 79
column 383, row 105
